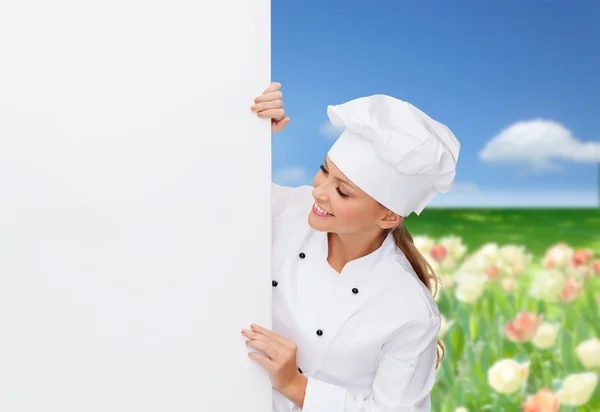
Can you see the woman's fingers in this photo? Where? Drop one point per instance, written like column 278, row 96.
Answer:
column 270, row 105
column 276, row 114
column 264, row 347
column 256, row 336
column 259, row 107
column 261, row 342
column 273, row 87
column 279, row 125
column 269, row 96
column 259, row 330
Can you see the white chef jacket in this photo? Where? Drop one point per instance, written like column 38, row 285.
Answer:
column 366, row 338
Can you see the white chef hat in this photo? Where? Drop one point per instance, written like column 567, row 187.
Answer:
column 393, row 151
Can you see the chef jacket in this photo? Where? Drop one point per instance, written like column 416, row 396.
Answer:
column 366, row 337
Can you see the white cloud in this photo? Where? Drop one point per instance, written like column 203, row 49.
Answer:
column 535, row 146
column 330, row 131
column 292, row 176
column 469, row 195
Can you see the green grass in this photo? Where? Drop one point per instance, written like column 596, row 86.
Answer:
column 537, row 229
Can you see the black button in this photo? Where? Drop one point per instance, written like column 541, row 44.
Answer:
column 274, row 283
column 299, row 370
column 355, row 291
column 320, row 332
column 302, row 255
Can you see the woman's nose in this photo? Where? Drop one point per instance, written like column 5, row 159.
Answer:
column 318, row 194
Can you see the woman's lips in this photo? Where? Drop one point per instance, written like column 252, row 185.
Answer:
column 316, row 212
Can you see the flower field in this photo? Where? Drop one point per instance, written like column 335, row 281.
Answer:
column 521, row 309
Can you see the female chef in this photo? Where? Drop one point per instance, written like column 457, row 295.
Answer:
column 355, row 324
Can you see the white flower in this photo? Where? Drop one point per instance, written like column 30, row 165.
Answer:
column 447, row 264
column 454, row 245
column 469, row 288
column 557, row 256
column 577, row 389
column 424, row 244
column 490, row 253
column 514, row 259
column 509, row 285
column 548, row 285
column 482, row 261
column 588, row 353
column 507, row 375
column 545, row 335
column 474, row 264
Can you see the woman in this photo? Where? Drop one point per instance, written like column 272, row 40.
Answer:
column 355, row 325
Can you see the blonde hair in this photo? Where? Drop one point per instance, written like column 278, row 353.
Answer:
column 423, row 269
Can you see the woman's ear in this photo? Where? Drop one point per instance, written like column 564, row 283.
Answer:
column 391, row 220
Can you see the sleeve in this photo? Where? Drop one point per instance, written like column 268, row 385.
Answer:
column 403, row 381
column 278, row 199
column 286, row 199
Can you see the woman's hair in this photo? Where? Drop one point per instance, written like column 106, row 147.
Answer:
column 423, row 269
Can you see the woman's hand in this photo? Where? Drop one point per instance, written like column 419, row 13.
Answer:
column 279, row 360
column 270, row 105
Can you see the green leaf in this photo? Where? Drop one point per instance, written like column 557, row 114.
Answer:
column 506, row 309
column 491, row 306
column 473, row 329
column 568, row 353
column 541, row 307
column 595, row 400
column 487, row 357
column 582, row 331
column 570, row 319
column 456, row 340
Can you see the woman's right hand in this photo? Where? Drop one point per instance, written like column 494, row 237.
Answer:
column 270, row 105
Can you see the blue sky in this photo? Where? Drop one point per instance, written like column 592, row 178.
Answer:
column 518, row 82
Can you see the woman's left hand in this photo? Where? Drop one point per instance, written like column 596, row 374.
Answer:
column 270, row 105
column 280, row 359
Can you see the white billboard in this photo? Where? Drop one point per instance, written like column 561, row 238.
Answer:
column 134, row 205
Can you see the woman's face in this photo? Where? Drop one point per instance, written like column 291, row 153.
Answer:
column 348, row 209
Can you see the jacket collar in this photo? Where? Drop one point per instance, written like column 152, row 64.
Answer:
column 361, row 268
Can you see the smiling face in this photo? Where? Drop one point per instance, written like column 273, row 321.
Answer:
column 341, row 207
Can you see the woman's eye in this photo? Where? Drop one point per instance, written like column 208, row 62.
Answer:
column 342, row 194
column 323, row 169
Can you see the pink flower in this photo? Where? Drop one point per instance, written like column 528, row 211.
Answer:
column 523, row 327
column 492, row 271
column 581, row 257
column 596, row 267
column 543, row 401
column 438, row 252
column 571, row 290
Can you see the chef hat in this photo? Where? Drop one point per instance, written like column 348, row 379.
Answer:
column 393, row 152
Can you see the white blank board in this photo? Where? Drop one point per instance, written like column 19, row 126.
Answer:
column 134, row 205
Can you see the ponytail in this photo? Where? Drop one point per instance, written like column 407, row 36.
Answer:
column 423, row 269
